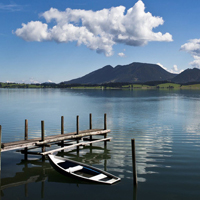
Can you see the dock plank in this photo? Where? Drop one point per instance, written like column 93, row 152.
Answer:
column 75, row 145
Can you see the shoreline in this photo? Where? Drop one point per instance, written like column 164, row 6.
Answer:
column 108, row 86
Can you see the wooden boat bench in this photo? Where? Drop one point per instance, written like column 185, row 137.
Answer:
column 74, row 169
column 98, row 177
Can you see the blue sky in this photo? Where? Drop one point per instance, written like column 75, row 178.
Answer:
column 41, row 41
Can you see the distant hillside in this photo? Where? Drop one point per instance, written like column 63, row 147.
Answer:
column 102, row 75
column 131, row 73
column 187, row 76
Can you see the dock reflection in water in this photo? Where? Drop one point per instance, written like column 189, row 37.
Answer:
column 36, row 170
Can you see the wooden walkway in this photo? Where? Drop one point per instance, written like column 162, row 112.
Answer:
column 64, row 140
column 37, row 142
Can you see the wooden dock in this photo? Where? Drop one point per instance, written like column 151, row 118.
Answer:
column 37, row 142
column 65, row 140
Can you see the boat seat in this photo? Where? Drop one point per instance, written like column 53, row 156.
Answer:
column 98, row 177
column 74, row 169
column 111, row 181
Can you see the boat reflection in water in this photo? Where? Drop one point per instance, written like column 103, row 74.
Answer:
column 39, row 170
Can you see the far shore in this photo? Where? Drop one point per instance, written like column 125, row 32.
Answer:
column 107, row 86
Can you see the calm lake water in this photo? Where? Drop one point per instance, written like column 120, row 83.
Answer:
column 164, row 123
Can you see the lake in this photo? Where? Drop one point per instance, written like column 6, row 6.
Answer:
column 164, row 123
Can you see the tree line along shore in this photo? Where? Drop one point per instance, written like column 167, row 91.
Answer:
column 149, row 85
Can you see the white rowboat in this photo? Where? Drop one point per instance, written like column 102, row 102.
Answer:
column 82, row 171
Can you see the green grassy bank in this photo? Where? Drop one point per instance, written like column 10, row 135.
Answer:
column 105, row 86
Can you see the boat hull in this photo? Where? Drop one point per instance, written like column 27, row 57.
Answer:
column 82, row 171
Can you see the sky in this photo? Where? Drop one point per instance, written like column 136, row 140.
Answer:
column 55, row 41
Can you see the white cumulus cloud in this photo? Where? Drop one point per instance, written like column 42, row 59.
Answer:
column 193, row 48
column 175, row 70
column 98, row 30
column 34, row 31
column 121, row 54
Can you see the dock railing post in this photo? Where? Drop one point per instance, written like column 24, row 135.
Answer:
column 90, row 121
column 77, row 132
column 26, row 138
column 105, row 127
column 134, row 162
column 90, row 125
column 105, row 121
column 42, row 138
column 26, row 130
column 77, row 124
column 42, row 130
column 62, row 130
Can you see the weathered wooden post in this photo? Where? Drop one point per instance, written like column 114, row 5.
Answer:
column 77, row 124
column 134, row 162
column 0, row 150
column 42, row 138
column 62, row 130
column 26, row 130
column 77, row 132
column 90, row 126
column 62, row 125
column 105, row 121
column 26, row 138
column 42, row 131
column 105, row 127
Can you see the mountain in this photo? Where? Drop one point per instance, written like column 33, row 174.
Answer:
column 132, row 73
column 96, row 77
column 187, row 76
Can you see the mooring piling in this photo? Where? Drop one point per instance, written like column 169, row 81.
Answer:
column 105, row 128
column 25, row 138
column 43, row 137
column 105, row 136
column 105, row 121
column 26, row 130
column 134, row 162
column 62, row 130
column 62, row 125
column 77, row 124
column 77, row 132
column 42, row 131
column 90, row 125
column 90, row 121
